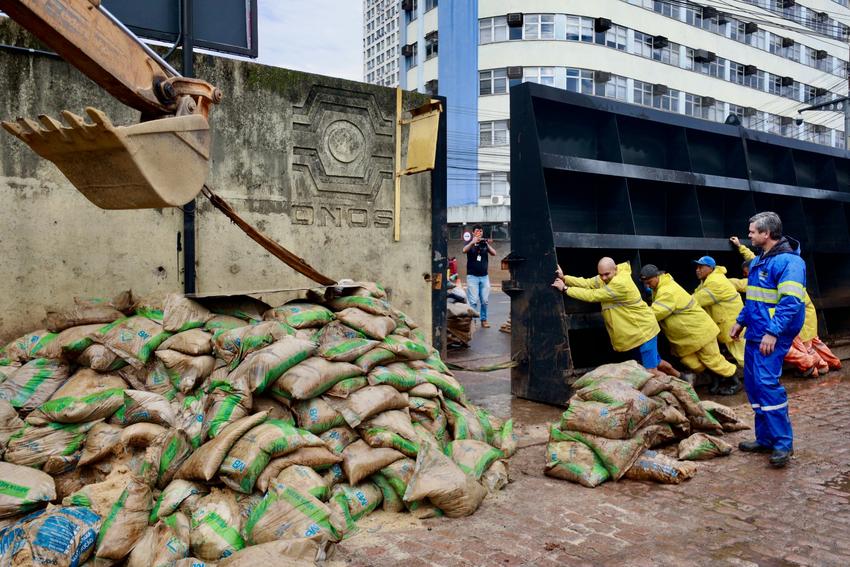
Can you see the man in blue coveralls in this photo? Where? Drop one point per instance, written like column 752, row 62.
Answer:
column 773, row 315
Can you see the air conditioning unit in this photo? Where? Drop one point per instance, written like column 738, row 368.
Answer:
column 822, row 17
column 788, row 3
column 659, row 89
column 515, row 20
column 407, row 5
column 432, row 36
column 749, row 111
column 407, row 50
column 514, row 72
column 786, row 120
column 709, row 12
column 722, row 19
column 431, row 86
column 787, row 81
column 750, row 69
column 821, row 54
column 787, row 42
column 820, row 91
column 704, row 56
column 660, row 42
column 601, row 76
column 751, row 27
column 707, row 101
column 497, row 200
column 601, row 25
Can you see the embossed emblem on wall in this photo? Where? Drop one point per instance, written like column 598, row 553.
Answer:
column 343, row 144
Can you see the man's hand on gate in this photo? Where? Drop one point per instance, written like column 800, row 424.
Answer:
column 559, row 285
column 768, row 343
column 735, row 241
column 735, row 331
column 559, row 273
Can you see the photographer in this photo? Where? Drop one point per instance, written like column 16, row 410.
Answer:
column 478, row 250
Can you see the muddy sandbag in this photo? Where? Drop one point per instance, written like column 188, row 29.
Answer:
column 630, row 372
column 614, row 421
column 426, row 390
column 75, row 340
column 223, row 323
column 102, row 440
column 368, row 401
column 56, row 537
column 317, row 458
column 145, row 407
column 437, row 427
column 727, row 417
column 433, row 362
column 233, row 345
column 33, row 383
column 391, row 501
column 507, row 441
column 176, row 447
column 657, row 434
column 195, row 562
column 397, row 421
column 473, row 457
column 134, row 339
column 616, row 455
column 429, row 408
column 276, row 409
column 185, row 371
column 142, row 434
column 393, row 430
column 250, row 455
column 314, row 377
column 702, row 447
column 359, row 460
column 216, row 526
column 23, row 489
column 338, row 438
column 496, row 477
column 98, row 357
column 615, row 392
column 346, row 387
column 204, row 463
column 333, row 333
column 265, row 366
column 86, row 396
column 370, row 305
column 447, row 384
column 466, row 423
column 347, row 350
column 286, row 513
column 126, row 522
column 32, row 446
column 301, row 315
column 174, row 495
column 444, row 484
column 316, row 415
column 408, row 349
column 81, row 313
column 194, row 342
column 10, row 423
column 398, row 375
column 229, row 400
column 301, row 552
column 100, row 496
column 163, row 543
column 180, row 313
column 25, row 348
column 576, row 462
column 376, row 357
column 355, row 502
column 398, row 474
column 190, row 416
column 373, row 326
column 658, row 467
column 303, row 479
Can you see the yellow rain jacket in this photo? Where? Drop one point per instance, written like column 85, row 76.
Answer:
column 628, row 318
column 686, row 325
column 810, row 324
column 721, row 300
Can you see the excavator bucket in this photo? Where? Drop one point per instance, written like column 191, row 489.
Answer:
column 160, row 163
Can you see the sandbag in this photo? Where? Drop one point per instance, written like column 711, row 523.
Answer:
column 194, row 342
column 134, row 339
column 576, row 462
column 616, row 455
column 32, row 446
column 629, row 372
column 332, row 333
column 391, row 501
column 367, row 402
column 10, row 423
column 397, row 421
column 466, row 424
column 376, row 357
column 287, row 513
column 359, row 460
column 233, row 345
column 25, row 348
column 81, row 313
column 314, row 377
column 101, row 496
column 727, row 417
column 23, row 489
column 316, row 415
column 142, row 434
column 473, row 457
column 190, row 417
column 176, row 447
column 657, row 434
column 433, row 362
column 33, row 383
column 180, row 313
column 439, row 479
column 364, row 289
column 171, row 498
column 86, row 396
column 447, row 384
column 701, row 447
column 658, row 467
column 242, row 307
column 347, row 350
column 126, row 522
column 204, row 463
column 338, row 438
column 102, row 440
column 507, row 440
column 229, row 400
column 303, row 479
column 618, row 392
column 73, row 341
column 318, row 458
column 496, row 477
column 346, row 387
column 355, row 502
column 399, row 473
column 185, row 371
column 98, row 357
column 393, row 430
column 223, row 323
column 162, row 544
column 250, row 455
column 614, row 421
column 408, row 349
column 265, row 366
column 216, row 526
column 370, row 305
column 145, row 407
column 56, row 537
column 426, row 390
column 373, row 326
column 429, row 408
column 398, row 375
column 301, row 315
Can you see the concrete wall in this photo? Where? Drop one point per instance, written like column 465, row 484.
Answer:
column 306, row 159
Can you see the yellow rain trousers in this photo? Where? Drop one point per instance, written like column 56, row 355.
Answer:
column 691, row 332
column 628, row 319
column 723, row 303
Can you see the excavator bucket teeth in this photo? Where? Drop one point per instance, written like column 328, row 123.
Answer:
column 160, row 163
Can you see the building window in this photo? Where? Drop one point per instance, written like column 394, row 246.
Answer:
column 643, row 45
column 539, row 26
column 580, row 81
column 412, row 14
column 492, row 29
column 668, row 100
column 539, row 75
column 579, row 28
column 430, row 5
column 494, row 81
column 668, row 54
column 493, row 185
column 493, row 133
column 716, row 68
column 431, row 45
column 615, row 37
column 667, row 8
column 616, row 87
column 774, row 84
column 643, row 93
column 411, row 59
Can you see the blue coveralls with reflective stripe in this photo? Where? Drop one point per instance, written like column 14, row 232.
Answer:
column 774, row 306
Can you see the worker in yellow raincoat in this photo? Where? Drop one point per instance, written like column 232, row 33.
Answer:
column 721, row 301
column 692, row 334
column 807, row 353
column 628, row 319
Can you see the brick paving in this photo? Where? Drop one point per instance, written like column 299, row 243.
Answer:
column 736, row 511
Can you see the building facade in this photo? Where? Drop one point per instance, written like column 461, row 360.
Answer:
column 760, row 60
column 381, row 45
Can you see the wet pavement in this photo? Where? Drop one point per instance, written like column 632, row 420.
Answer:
column 736, row 511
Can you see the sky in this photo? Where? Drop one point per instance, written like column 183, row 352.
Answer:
column 317, row 36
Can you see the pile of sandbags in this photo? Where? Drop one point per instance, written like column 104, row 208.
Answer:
column 222, row 430
column 459, row 327
column 620, row 413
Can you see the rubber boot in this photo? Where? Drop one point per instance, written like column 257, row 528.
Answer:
column 731, row 386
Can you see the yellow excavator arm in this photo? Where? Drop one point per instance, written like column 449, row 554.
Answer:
column 162, row 162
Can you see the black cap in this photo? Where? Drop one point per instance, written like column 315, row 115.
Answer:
column 649, row 271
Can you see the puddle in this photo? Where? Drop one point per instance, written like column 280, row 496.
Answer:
column 840, row 483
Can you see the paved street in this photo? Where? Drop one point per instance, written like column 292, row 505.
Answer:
column 736, row 511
